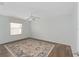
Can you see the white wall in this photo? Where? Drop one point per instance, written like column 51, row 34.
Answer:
column 59, row 27
column 75, row 27
column 5, row 29
column 78, row 27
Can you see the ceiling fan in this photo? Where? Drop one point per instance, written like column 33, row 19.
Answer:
column 32, row 17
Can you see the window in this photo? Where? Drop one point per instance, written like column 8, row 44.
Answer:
column 15, row 28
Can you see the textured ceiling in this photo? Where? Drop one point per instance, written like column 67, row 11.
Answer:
column 23, row 9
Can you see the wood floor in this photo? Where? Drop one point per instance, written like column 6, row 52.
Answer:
column 4, row 52
column 60, row 50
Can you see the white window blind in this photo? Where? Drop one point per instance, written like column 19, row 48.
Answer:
column 15, row 28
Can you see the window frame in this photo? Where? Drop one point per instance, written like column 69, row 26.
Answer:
column 19, row 24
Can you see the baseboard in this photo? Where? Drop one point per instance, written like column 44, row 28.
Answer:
column 47, row 41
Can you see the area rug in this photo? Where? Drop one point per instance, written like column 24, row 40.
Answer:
column 29, row 48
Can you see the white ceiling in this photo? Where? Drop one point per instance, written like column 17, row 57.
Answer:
column 23, row 9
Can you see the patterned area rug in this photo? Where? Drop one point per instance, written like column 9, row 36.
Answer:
column 29, row 48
